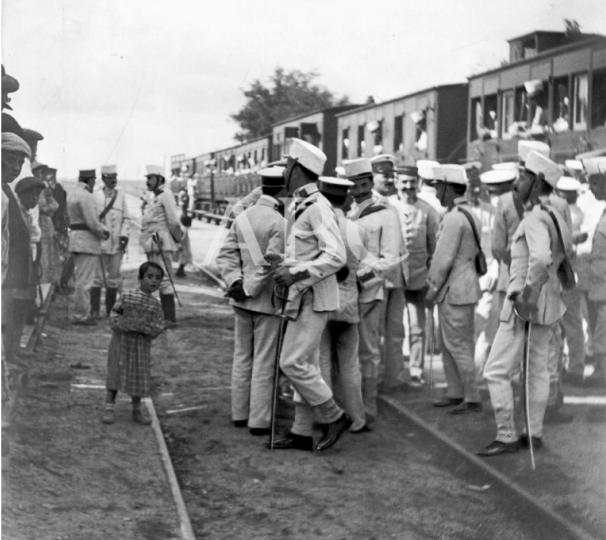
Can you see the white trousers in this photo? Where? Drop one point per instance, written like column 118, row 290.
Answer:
column 86, row 267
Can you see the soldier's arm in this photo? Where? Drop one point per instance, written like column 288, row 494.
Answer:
column 539, row 258
column 499, row 235
column 446, row 251
column 433, row 224
column 229, row 259
column 125, row 225
column 89, row 213
column 170, row 209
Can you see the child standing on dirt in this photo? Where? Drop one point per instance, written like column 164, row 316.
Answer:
column 135, row 319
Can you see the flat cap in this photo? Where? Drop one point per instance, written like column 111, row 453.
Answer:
column 451, row 174
column 154, row 170
column 307, row 155
column 29, row 182
column 107, row 170
column 539, row 164
column 426, row 167
column 14, row 143
column 498, row 176
column 272, row 176
column 32, row 136
column 567, row 183
column 525, row 147
column 357, row 168
column 87, row 173
column 334, row 186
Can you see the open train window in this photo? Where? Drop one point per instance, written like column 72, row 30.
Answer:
column 398, row 134
column 507, row 113
column 361, row 143
column 598, row 99
column 561, row 104
column 345, row 144
column 477, row 119
column 491, row 122
column 581, row 89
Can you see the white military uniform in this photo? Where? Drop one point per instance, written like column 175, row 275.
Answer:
column 85, row 244
column 161, row 216
column 535, row 257
column 597, row 295
column 117, row 220
column 257, row 231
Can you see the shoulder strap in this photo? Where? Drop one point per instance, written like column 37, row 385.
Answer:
column 473, row 226
column 557, row 227
column 302, row 207
column 109, row 206
column 517, row 203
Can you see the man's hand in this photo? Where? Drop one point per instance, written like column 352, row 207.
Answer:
column 105, row 234
column 236, row 291
column 581, row 237
column 123, row 243
column 525, row 308
column 283, row 277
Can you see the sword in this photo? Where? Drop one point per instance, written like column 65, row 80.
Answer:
column 432, row 341
column 156, row 239
column 282, row 294
column 103, row 270
column 525, row 369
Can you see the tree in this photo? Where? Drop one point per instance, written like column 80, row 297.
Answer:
column 289, row 93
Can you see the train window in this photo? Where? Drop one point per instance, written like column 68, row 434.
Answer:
column 376, row 128
column 581, row 87
column 361, row 142
column 345, row 144
column 476, row 121
column 561, row 104
column 491, row 122
column 398, row 134
column 598, row 99
column 507, row 113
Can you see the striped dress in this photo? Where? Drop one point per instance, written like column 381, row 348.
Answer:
column 136, row 319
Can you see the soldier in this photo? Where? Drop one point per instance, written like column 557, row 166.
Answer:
column 86, row 235
column 113, row 213
column 160, row 233
column 383, row 229
column 341, row 334
column 534, row 290
column 453, row 285
column 256, row 233
column 314, row 253
column 419, row 222
column 427, row 191
column 596, row 169
column 392, row 323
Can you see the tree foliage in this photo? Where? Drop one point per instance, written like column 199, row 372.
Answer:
column 288, row 94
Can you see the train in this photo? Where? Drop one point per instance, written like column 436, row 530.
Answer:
column 552, row 88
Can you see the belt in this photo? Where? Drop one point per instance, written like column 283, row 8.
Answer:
column 78, row 227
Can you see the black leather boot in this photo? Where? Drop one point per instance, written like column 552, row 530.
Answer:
column 95, row 302
column 168, row 307
column 110, row 299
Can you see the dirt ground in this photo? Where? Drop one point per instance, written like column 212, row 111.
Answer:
column 67, row 476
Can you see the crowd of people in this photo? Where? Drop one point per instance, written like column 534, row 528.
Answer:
column 34, row 227
column 328, row 285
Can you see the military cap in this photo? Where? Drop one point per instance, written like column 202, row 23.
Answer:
column 498, row 176
column 425, row 168
column 32, row 136
column 506, row 166
column 307, row 155
column 595, row 165
column 574, row 164
column 14, row 143
column 29, row 182
column 334, row 186
column 407, row 172
column 108, row 170
column 451, row 174
column 272, row 176
column 154, row 170
column 357, row 169
column 383, row 163
column 567, row 183
column 525, row 147
column 85, row 174
column 539, row 164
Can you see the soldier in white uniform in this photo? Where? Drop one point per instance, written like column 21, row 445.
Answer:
column 341, row 333
column 535, row 291
column 314, row 253
column 161, row 221
column 453, row 284
column 256, row 232
column 113, row 213
column 383, row 229
column 419, row 221
column 85, row 237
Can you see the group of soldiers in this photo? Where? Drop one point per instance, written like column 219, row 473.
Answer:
column 323, row 272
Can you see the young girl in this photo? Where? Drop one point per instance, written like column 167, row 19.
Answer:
column 136, row 319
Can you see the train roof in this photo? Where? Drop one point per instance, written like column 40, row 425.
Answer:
column 341, row 108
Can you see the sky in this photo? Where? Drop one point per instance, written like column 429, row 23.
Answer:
column 132, row 82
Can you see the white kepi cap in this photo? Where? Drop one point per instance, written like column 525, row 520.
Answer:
column 154, row 169
column 595, row 165
column 334, row 186
column 567, row 183
column 574, row 164
column 525, row 147
column 109, row 169
column 355, row 168
column 451, row 174
column 426, row 167
column 499, row 176
column 539, row 164
column 307, row 155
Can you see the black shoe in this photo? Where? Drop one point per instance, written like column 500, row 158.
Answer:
column 447, row 402
column 363, row 429
column 554, row 416
column 240, row 423
column 258, row 431
column 497, row 447
column 536, row 441
column 467, row 407
column 294, row 442
column 416, row 382
column 333, row 431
